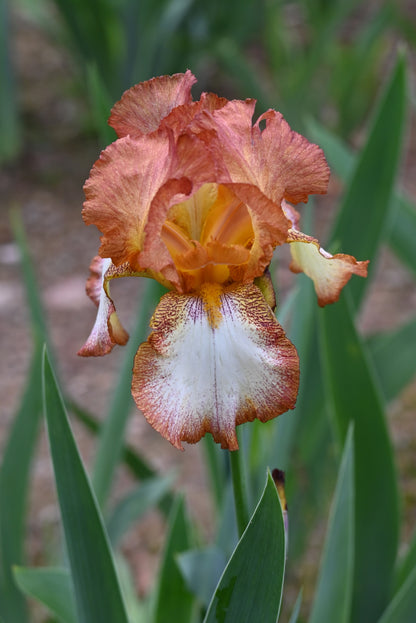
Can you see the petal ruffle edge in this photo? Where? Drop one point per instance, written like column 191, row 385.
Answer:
column 142, row 108
column 213, row 361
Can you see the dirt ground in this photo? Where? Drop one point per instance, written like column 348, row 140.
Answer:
column 45, row 185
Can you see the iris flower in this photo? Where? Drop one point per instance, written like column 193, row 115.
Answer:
column 194, row 195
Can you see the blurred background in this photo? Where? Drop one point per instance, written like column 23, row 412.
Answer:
column 63, row 64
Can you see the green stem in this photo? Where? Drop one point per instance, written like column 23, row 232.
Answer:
column 240, row 496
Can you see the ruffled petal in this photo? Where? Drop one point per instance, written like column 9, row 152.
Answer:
column 107, row 330
column 213, row 361
column 329, row 273
column 277, row 160
column 142, row 108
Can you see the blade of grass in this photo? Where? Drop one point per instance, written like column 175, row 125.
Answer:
column 51, row 586
column 14, row 479
column 96, row 585
column 245, row 592
column 354, row 396
column 333, row 594
column 111, row 437
column 364, row 215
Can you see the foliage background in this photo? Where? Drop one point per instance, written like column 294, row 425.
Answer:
column 310, row 61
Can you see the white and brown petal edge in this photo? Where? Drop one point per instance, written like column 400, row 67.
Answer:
column 329, row 273
column 213, row 361
column 107, row 330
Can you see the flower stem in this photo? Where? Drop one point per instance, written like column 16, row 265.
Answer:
column 240, row 496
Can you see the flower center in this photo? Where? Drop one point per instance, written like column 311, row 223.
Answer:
column 207, row 235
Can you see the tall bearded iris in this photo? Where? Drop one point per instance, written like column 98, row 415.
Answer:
column 195, row 196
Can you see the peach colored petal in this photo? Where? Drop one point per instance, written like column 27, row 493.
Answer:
column 142, row 108
column 329, row 273
column 279, row 161
column 119, row 193
column 181, row 116
column 107, row 330
column 214, row 361
column 290, row 160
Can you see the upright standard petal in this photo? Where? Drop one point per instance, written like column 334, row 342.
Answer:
column 277, row 160
column 119, row 193
column 142, row 108
column 214, row 360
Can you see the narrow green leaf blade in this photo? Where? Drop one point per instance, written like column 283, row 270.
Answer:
column 37, row 315
column 202, row 569
column 51, row 586
column 96, row 586
column 403, row 233
column 402, row 608
column 250, row 588
column 355, row 397
column 406, row 564
column 396, row 346
column 14, row 479
column 294, row 617
column 135, row 504
column 333, row 594
column 10, row 129
column 363, row 218
column 172, row 594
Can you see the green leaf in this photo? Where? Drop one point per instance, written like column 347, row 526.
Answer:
column 361, row 222
column 51, row 586
column 245, row 592
column 37, row 315
column 10, row 129
column 396, row 346
column 403, row 232
column 96, row 587
column 135, row 504
column 402, row 608
column 406, row 564
column 339, row 156
column 332, row 601
column 355, row 397
column 101, row 104
column 138, row 467
column 294, row 617
column 172, row 594
column 14, row 478
column 202, row 569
